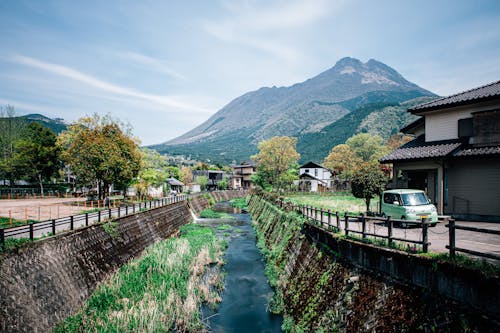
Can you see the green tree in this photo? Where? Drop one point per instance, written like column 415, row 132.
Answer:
column 367, row 182
column 367, row 147
column 275, row 157
column 12, row 129
column 36, row 154
column 203, row 181
column 223, row 184
column 101, row 151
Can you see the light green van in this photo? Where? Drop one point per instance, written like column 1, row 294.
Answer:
column 405, row 204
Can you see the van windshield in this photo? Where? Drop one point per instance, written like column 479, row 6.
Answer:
column 414, row 199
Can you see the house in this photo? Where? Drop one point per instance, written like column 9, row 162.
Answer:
column 314, row 177
column 175, row 185
column 455, row 156
column 213, row 176
column 241, row 176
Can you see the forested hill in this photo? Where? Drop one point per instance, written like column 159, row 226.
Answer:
column 55, row 125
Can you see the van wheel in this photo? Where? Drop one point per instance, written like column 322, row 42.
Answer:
column 403, row 224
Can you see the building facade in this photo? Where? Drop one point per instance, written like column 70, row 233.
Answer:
column 455, row 156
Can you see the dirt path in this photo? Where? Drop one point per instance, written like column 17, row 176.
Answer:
column 41, row 209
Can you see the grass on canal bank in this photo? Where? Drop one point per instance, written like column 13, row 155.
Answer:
column 338, row 202
column 161, row 291
column 6, row 222
column 211, row 214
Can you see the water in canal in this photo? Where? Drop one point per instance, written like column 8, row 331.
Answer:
column 247, row 292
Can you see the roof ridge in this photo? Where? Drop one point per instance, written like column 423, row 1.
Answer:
column 423, row 105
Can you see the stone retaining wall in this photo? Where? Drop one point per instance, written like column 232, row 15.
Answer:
column 326, row 283
column 50, row 279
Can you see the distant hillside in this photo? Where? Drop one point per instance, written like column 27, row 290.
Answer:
column 301, row 110
column 383, row 118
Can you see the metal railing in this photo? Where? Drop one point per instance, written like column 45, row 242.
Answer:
column 51, row 227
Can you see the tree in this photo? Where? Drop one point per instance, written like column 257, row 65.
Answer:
column 223, row 184
column 367, row 147
column 186, row 175
column 342, row 160
column 12, row 129
column 101, row 150
column 36, row 154
column 397, row 140
column 368, row 181
column 276, row 155
column 203, row 181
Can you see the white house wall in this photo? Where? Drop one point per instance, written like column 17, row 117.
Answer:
column 444, row 125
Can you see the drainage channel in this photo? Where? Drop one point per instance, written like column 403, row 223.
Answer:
column 246, row 292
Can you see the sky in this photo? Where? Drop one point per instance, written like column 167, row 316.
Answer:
column 167, row 66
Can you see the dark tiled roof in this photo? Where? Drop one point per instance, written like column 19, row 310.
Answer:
column 478, row 151
column 486, row 92
column 419, row 149
column 312, row 165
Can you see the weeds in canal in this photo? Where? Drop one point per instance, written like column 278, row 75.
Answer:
column 210, row 214
column 160, row 291
column 239, row 203
column 224, row 227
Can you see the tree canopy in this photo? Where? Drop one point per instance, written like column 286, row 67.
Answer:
column 367, row 181
column 275, row 157
column 101, row 150
column 36, row 155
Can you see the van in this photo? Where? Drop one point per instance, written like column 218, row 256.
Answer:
column 406, row 204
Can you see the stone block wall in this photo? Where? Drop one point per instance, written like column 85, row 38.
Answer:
column 50, row 279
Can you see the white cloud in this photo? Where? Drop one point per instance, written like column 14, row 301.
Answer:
column 153, row 64
column 105, row 86
column 252, row 26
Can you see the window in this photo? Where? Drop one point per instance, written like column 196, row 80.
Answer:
column 307, row 170
column 316, row 172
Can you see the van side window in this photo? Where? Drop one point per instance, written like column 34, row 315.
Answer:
column 388, row 198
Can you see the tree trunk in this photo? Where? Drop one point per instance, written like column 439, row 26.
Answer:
column 367, row 200
column 40, row 181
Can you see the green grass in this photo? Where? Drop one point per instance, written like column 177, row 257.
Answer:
column 239, row 203
column 161, row 291
column 5, row 222
column 210, row 214
column 224, row 227
column 461, row 260
column 340, row 201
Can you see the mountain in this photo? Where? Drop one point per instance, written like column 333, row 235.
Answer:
column 304, row 108
column 57, row 125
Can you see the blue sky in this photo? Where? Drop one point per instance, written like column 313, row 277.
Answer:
column 166, row 66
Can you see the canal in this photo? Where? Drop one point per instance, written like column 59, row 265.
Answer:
column 246, row 292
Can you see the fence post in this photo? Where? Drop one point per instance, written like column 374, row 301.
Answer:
column 346, row 218
column 329, row 219
column 98, row 216
column 31, row 231
column 337, row 217
column 389, row 231
column 321, row 216
column 86, row 219
column 451, row 225
column 2, row 239
column 133, row 208
column 109, row 213
column 53, row 227
column 425, row 245
column 316, row 213
column 71, row 226
column 363, row 225
column 119, row 211
column 126, row 210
